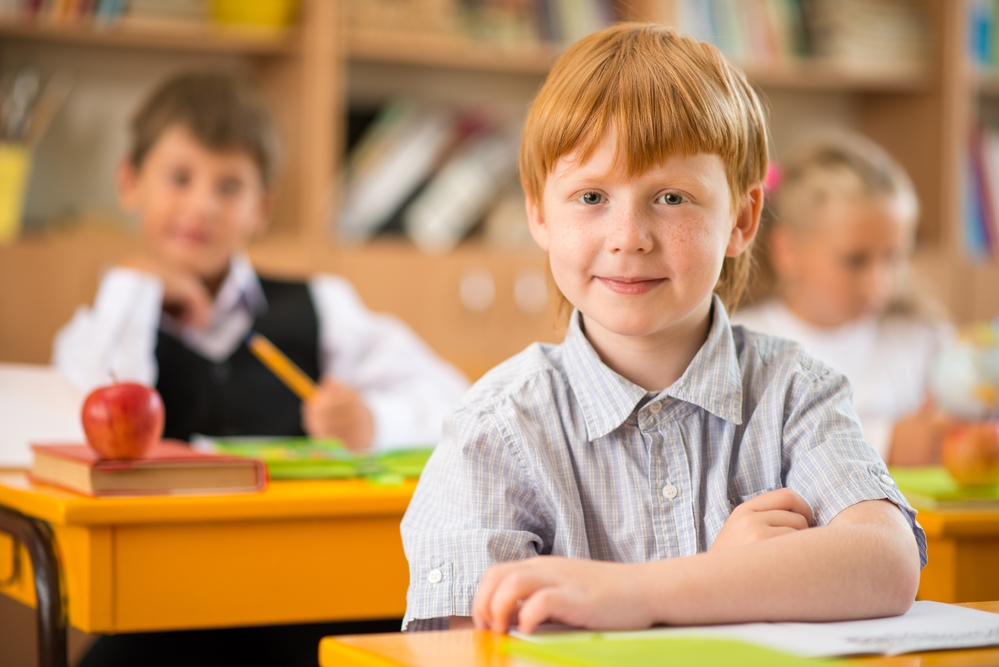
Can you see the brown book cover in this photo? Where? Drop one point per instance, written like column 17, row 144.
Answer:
column 171, row 468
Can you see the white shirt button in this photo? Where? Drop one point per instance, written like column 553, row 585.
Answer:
column 435, row 576
column 656, row 408
column 887, row 480
column 670, row 491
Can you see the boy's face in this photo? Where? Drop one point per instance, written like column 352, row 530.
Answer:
column 197, row 206
column 639, row 256
column 847, row 267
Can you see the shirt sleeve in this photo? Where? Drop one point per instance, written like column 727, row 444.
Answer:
column 475, row 506
column 407, row 387
column 116, row 335
column 825, row 457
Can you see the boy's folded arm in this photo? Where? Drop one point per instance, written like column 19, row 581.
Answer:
column 117, row 334
column 864, row 563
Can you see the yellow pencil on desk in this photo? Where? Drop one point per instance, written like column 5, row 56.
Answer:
column 284, row 368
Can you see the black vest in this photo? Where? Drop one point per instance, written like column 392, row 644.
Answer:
column 240, row 396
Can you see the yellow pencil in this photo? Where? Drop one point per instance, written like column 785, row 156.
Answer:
column 284, row 368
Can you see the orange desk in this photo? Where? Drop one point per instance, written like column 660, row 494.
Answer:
column 303, row 551
column 963, row 551
column 470, row 648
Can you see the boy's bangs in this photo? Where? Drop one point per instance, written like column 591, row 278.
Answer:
column 662, row 94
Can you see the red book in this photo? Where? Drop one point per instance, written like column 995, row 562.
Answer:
column 171, row 468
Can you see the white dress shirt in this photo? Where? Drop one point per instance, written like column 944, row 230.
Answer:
column 888, row 360
column 406, row 386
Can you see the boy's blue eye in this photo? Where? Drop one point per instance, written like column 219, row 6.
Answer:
column 671, row 199
column 592, row 198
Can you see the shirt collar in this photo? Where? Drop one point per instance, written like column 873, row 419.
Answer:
column 712, row 381
column 240, row 285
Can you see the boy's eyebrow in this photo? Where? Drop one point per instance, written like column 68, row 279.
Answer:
column 678, row 175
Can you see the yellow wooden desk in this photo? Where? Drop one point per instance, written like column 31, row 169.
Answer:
column 963, row 551
column 302, row 551
column 471, row 648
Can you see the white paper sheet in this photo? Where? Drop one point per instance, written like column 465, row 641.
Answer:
column 36, row 405
column 926, row 626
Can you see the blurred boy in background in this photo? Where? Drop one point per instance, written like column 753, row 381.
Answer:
column 200, row 177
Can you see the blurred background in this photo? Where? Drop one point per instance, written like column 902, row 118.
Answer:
column 376, row 99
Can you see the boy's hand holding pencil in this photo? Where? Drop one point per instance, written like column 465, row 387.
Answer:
column 329, row 408
column 338, row 410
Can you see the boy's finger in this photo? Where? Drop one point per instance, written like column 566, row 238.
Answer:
column 781, row 499
column 546, row 604
column 784, row 519
column 480, row 606
column 516, row 585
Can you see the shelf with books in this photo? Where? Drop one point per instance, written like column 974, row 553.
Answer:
column 449, row 51
column 818, row 74
column 183, row 37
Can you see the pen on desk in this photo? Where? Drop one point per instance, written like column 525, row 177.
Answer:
column 284, row 368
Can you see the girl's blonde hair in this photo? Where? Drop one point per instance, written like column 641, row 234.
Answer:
column 837, row 165
column 663, row 94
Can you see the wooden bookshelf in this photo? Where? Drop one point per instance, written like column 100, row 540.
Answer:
column 449, row 52
column 832, row 76
column 183, row 37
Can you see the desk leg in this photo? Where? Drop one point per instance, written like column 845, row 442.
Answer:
column 37, row 539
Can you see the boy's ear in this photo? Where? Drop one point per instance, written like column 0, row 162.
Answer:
column 536, row 223
column 747, row 221
column 127, row 182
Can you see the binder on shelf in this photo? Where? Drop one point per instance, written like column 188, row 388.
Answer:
column 396, row 156
column 460, row 194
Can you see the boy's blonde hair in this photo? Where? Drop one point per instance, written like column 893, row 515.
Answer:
column 663, row 94
column 219, row 110
column 831, row 167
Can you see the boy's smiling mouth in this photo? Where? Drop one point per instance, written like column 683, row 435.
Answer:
column 630, row 286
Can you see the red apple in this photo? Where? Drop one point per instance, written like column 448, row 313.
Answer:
column 123, row 421
column 971, row 453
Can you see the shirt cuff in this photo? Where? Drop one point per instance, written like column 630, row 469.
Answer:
column 872, row 483
column 434, row 594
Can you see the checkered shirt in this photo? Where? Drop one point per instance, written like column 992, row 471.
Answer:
column 552, row 452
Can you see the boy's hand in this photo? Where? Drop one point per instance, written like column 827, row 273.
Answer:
column 764, row 516
column 582, row 593
column 185, row 296
column 337, row 410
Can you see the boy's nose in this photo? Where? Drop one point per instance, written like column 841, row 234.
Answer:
column 630, row 231
column 202, row 200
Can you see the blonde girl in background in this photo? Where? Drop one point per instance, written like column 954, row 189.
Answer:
column 838, row 251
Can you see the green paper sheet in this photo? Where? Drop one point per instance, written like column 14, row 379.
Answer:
column 932, row 487
column 306, row 458
column 660, row 652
